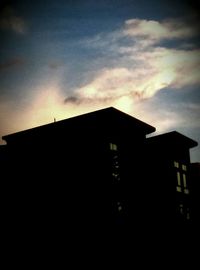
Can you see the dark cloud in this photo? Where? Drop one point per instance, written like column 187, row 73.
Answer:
column 73, row 99
column 11, row 63
column 85, row 100
column 55, row 65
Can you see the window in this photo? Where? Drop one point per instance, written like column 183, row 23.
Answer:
column 184, row 167
column 184, row 211
column 181, row 208
column 116, row 176
column 176, row 164
column 181, row 170
column 119, row 206
column 178, row 189
column 186, row 191
column 113, row 147
column 178, row 178
column 115, row 163
column 188, row 213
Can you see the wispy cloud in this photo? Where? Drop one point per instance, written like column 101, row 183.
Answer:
column 151, row 67
column 156, row 31
column 12, row 22
column 156, row 69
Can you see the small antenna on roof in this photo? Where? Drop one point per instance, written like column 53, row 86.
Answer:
column 54, row 119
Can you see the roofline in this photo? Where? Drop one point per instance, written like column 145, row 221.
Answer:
column 192, row 143
column 149, row 129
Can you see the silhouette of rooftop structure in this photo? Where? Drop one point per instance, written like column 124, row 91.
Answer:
column 109, row 119
column 175, row 138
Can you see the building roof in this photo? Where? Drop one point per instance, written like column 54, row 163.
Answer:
column 174, row 139
column 104, row 119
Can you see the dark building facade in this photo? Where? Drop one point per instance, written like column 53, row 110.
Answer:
column 97, row 170
column 195, row 187
column 169, row 162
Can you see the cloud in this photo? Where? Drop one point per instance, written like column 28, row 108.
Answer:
column 12, row 63
column 156, row 69
column 155, row 31
column 55, row 65
column 111, row 87
column 151, row 66
column 73, row 100
column 173, row 68
column 10, row 21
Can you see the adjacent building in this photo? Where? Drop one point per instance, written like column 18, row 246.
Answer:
column 169, row 167
column 195, row 187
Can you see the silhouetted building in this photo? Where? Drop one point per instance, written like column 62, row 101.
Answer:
column 195, row 197
column 3, row 155
column 98, row 169
column 169, row 168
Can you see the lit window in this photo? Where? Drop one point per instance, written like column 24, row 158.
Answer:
column 116, row 166
column 176, row 164
column 116, row 176
column 178, row 189
column 184, row 181
column 119, row 207
column 186, row 191
column 113, row 147
column 115, row 162
column 181, row 208
column 184, row 167
column 178, row 178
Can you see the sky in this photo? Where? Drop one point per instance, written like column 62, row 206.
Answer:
column 63, row 58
